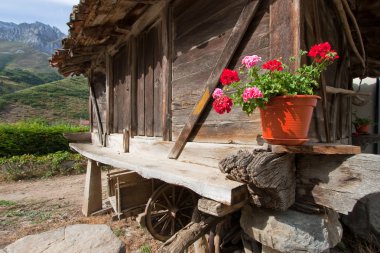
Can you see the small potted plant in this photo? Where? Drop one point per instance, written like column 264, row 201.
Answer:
column 361, row 125
column 285, row 98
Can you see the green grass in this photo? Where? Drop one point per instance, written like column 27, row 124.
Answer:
column 33, row 216
column 33, row 166
column 7, row 203
column 145, row 249
column 56, row 101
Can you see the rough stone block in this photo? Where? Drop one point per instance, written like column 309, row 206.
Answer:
column 292, row 231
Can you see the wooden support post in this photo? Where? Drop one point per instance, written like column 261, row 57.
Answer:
column 126, row 140
column 92, row 189
column 228, row 52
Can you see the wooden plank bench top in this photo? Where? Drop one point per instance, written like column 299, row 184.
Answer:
column 207, row 181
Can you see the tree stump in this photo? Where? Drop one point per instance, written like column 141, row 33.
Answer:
column 270, row 177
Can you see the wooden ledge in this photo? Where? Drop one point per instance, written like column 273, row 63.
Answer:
column 318, row 148
column 207, row 181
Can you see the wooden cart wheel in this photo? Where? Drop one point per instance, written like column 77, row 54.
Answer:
column 168, row 210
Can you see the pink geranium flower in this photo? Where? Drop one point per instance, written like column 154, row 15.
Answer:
column 217, row 93
column 250, row 93
column 250, row 61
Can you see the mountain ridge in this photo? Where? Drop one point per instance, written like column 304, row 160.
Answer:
column 37, row 35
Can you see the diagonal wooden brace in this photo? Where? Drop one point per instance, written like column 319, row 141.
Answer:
column 228, row 52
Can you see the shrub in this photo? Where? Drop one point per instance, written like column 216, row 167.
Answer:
column 34, row 137
column 32, row 166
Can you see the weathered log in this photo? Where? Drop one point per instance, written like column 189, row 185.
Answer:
column 270, row 177
column 189, row 234
column 337, row 181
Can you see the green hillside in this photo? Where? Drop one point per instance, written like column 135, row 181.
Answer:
column 22, row 67
column 65, row 100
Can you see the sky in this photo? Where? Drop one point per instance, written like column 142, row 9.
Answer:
column 52, row 12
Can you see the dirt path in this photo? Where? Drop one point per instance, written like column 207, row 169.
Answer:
column 29, row 207
column 54, row 189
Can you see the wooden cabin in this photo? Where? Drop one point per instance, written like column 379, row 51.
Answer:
column 153, row 64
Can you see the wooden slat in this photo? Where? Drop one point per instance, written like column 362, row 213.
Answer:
column 109, row 94
column 319, row 148
column 149, row 89
column 140, row 86
column 133, row 90
column 166, row 18
column 206, row 181
column 233, row 42
column 157, row 81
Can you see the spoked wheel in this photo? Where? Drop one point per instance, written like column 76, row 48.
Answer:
column 168, row 210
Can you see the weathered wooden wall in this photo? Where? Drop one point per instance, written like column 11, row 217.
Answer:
column 121, row 85
column 320, row 23
column 201, row 30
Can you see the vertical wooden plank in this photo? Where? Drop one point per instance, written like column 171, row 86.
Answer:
column 92, row 189
column 109, row 94
column 167, row 44
column 140, row 86
column 128, row 87
column 149, row 89
column 326, row 113
column 285, row 25
column 157, row 81
column 133, row 89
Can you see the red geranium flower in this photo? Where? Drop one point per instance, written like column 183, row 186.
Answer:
column 229, row 76
column 273, row 65
column 222, row 104
column 322, row 52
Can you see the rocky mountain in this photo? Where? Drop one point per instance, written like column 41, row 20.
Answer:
column 37, row 35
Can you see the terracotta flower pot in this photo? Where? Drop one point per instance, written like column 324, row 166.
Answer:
column 362, row 129
column 285, row 120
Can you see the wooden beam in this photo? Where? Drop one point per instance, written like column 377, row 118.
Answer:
column 333, row 90
column 228, row 52
column 337, row 181
column 96, row 107
column 218, row 209
column 318, row 148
